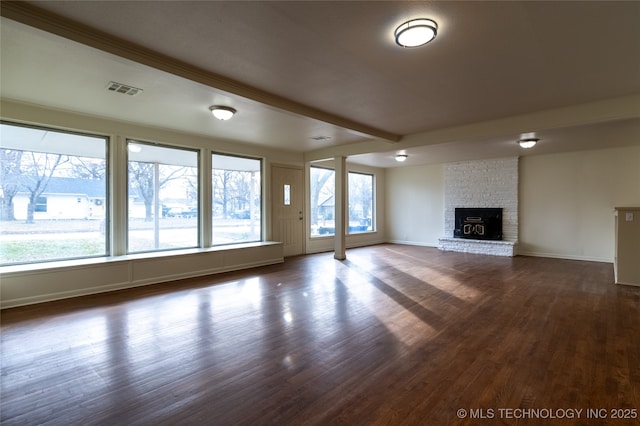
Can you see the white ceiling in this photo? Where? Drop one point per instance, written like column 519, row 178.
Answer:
column 298, row 70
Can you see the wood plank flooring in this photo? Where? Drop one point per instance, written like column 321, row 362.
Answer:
column 393, row 335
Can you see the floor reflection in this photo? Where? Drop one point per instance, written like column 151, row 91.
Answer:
column 229, row 346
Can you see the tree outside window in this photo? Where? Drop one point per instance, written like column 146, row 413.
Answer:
column 54, row 200
column 360, row 202
column 236, row 199
column 50, row 208
column 162, row 197
column 322, row 201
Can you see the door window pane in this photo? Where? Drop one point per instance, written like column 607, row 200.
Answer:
column 53, row 193
column 162, row 197
column 236, row 199
column 360, row 202
column 322, row 189
column 287, row 195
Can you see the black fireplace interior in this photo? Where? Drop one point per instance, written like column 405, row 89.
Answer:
column 478, row 223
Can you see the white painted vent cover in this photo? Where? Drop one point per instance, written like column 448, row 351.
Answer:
column 123, row 88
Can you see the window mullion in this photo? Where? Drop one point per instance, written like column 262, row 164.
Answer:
column 118, row 190
column 205, row 202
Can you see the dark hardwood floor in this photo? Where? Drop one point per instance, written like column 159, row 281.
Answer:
column 393, row 335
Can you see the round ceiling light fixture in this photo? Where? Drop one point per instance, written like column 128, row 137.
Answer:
column 401, row 157
column 222, row 112
column 528, row 142
column 416, row 32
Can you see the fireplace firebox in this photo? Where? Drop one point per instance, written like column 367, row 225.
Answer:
column 478, row 223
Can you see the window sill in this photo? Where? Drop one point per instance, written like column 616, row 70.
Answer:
column 58, row 264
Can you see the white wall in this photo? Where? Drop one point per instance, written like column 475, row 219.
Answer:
column 415, row 204
column 565, row 204
column 567, row 201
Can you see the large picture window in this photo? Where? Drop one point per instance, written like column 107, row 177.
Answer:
column 54, row 199
column 322, row 195
column 53, row 193
column 360, row 202
column 236, row 199
column 162, row 197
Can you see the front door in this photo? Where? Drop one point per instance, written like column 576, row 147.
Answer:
column 287, row 202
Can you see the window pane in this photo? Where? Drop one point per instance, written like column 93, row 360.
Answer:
column 322, row 187
column 53, row 192
column 287, row 194
column 360, row 203
column 163, row 198
column 237, row 199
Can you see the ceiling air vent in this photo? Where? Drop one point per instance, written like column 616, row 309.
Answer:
column 123, row 88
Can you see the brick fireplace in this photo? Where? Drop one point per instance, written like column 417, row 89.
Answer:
column 482, row 189
column 478, row 223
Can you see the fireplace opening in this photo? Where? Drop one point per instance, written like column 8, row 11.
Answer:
column 478, row 223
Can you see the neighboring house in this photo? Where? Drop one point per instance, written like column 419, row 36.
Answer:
column 326, row 209
column 65, row 198
column 326, row 224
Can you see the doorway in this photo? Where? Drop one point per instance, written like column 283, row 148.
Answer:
column 287, row 197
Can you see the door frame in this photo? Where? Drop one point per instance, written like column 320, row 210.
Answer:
column 274, row 216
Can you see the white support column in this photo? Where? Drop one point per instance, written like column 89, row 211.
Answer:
column 340, row 250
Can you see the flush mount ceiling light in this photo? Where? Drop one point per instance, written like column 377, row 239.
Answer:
column 401, row 157
column 222, row 112
column 416, row 32
column 528, row 142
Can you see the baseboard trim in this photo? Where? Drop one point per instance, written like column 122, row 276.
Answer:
column 413, row 243
column 564, row 256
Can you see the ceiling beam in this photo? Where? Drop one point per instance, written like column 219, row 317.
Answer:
column 606, row 110
column 64, row 27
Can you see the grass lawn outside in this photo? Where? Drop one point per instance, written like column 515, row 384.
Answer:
column 47, row 240
column 24, row 251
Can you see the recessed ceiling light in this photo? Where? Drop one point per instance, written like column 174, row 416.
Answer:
column 222, row 112
column 416, row 32
column 401, row 157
